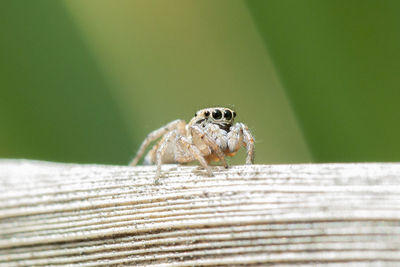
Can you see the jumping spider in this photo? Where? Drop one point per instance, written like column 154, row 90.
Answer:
column 209, row 136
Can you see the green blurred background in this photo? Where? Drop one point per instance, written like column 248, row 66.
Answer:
column 86, row 80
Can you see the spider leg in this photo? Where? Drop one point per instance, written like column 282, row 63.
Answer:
column 186, row 145
column 196, row 130
column 161, row 150
column 235, row 138
column 248, row 142
column 177, row 124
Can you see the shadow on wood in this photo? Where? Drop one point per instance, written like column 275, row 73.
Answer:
column 261, row 214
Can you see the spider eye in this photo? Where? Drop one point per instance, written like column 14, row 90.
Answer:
column 207, row 113
column 195, row 114
column 217, row 114
column 228, row 114
column 234, row 114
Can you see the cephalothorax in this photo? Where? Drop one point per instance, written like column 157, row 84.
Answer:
column 210, row 136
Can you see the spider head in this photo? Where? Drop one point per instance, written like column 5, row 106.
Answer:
column 223, row 117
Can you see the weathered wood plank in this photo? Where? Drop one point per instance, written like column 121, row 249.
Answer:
column 262, row 214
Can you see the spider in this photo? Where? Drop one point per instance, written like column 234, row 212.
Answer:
column 209, row 136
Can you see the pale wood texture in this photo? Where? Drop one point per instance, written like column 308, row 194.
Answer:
column 308, row 214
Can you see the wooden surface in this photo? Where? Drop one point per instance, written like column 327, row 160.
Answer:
column 94, row 215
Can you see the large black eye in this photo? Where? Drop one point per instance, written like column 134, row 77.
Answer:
column 217, row 114
column 228, row 114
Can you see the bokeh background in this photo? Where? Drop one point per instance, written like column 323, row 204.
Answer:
column 86, row 80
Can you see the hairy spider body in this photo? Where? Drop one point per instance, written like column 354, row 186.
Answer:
column 209, row 136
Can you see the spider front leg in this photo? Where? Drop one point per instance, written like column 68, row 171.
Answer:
column 199, row 132
column 240, row 136
column 154, row 135
column 248, row 141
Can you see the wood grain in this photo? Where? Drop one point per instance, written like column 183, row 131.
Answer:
column 93, row 215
